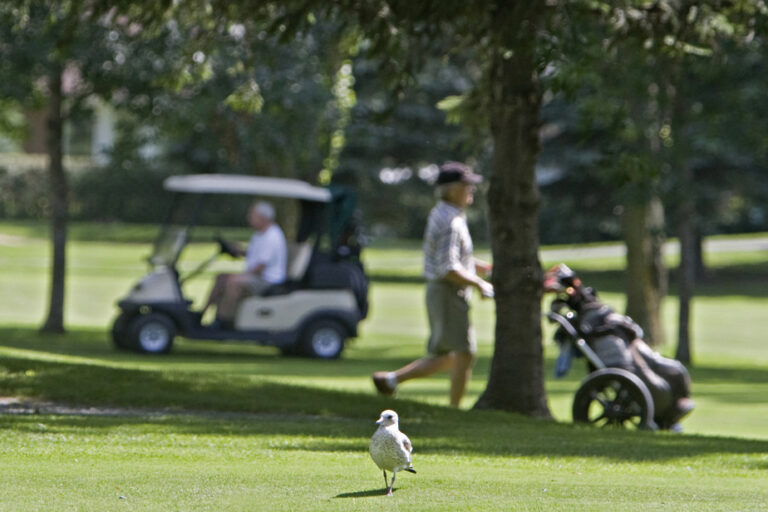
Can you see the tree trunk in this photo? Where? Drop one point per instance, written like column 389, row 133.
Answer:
column 686, row 278
column 516, row 379
column 646, row 274
column 58, row 192
column 698, row 253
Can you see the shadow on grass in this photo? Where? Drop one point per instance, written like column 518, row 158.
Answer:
column 711, row 374
column 228, row 403
column 364, row 494
column 246, row 359
column 324, row 420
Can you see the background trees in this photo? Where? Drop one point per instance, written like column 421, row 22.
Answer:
column 179, row 79
column 56, row 55
column 620, row 94
column 650, row 119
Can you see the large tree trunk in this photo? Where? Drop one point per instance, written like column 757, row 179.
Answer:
column 686, row 278
column 516, row 379
column 643, row 231
column 59, row 205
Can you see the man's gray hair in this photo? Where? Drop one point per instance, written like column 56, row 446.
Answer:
column 264, row 209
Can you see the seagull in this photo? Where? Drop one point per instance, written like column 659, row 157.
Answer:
column 390, row 449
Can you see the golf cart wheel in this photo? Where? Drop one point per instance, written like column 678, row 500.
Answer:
column 152, row 333
column 612, row 397
column 323, row 339
column 120, row 332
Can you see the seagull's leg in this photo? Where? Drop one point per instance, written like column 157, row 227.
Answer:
column 392, row 484
column 386, row 480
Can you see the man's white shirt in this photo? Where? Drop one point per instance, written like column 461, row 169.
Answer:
column 268, row 248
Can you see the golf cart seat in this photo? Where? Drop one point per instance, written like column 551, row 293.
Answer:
column 298, row 257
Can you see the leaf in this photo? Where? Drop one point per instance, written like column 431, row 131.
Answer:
column 246, row 98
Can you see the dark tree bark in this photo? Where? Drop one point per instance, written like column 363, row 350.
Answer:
column 516, row 379
column 686, row 279
column 58, row 193
column 686, row 230
column 646, row 274
column 698, row 249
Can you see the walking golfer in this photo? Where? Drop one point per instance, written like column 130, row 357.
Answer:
column 450, row 270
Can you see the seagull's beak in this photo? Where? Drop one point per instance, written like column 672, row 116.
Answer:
column 380, row 421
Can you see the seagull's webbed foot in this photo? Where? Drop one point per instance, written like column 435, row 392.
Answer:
column 389, row 491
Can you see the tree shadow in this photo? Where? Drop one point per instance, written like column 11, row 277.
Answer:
column 239, row 358
column 332, row 420
column 744, row 375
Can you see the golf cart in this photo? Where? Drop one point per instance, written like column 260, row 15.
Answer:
column 312, row 313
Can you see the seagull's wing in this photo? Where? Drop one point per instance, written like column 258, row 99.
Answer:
column 406, row 443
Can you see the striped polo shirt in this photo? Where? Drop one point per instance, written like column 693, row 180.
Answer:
column 447, row 243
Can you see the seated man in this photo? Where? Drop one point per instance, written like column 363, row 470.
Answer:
column 265, row 265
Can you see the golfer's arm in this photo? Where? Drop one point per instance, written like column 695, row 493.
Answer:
column 483, row 266
column 461, row 277
column 258, row 269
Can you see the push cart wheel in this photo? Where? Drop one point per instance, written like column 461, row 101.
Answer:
column 612, row 397
column 323, row 339
column 152, row 333
column 119, row 332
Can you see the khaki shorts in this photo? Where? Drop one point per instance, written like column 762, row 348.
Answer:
column 448, row 314
column 255, row 285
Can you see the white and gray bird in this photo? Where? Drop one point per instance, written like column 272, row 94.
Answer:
column 390, row 449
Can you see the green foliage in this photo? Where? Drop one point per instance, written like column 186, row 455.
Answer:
column 120, row 194
column 664, row 108
column 23, row 194
column 259, row 108
column 393, row 139
column 246, row 98
column 343, row 92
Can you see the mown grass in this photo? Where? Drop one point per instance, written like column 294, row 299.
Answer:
column 236, row 427
column 478, row 461
column 218, row 441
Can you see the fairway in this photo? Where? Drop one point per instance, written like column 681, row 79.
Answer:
column 298, row 462
column 236, row 427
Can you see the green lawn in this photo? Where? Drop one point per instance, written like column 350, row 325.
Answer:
column 236, row 427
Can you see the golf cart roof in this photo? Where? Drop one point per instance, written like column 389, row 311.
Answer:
column 247, row 185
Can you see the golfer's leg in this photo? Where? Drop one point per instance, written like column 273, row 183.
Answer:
column 234, row 289
column 461, row 372
column 423, row 367
column 217, row 290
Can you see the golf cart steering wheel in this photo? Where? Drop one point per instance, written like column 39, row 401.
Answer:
column 226, row 247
